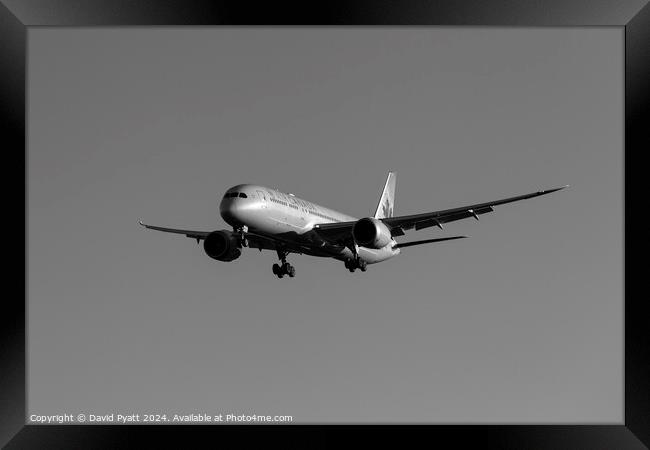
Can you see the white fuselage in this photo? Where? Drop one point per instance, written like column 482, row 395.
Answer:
column 269, row 212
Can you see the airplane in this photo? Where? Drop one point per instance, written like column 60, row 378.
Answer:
column 268, row 219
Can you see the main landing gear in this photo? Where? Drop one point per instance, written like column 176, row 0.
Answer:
column 285, row 268
column 354, row 264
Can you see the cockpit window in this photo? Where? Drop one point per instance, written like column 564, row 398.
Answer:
column 235, row 194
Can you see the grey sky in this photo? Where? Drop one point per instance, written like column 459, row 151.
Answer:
column 522, row 322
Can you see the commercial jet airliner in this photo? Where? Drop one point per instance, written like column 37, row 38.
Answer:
column 268, row 219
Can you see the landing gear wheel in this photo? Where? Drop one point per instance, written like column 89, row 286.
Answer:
column 284, row 269
column 352, row 265
column 277, row 270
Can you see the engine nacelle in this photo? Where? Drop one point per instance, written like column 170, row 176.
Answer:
column 222, row 245
column 372, row 233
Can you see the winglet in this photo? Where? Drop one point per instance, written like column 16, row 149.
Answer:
column 548, row 191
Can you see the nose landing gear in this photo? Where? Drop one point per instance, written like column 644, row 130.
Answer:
column 241, row 234
column 285, row 268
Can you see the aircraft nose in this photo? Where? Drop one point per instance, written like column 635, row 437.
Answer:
column 237, row 211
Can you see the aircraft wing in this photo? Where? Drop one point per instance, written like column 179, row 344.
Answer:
column 254, row 240
column 189, row 233
column 437, row 218
column 342, row 231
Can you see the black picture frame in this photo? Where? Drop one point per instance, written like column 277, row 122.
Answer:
column 632, row 16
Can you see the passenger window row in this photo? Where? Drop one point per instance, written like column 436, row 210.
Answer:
column 279, row 202
column 324, row 216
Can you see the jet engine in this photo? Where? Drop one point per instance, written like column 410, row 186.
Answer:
column 372, row 233
column 222, row 245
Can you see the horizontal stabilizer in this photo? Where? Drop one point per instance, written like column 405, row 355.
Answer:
column 427, row 241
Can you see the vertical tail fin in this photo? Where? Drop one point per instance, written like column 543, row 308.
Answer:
column 387, row 199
